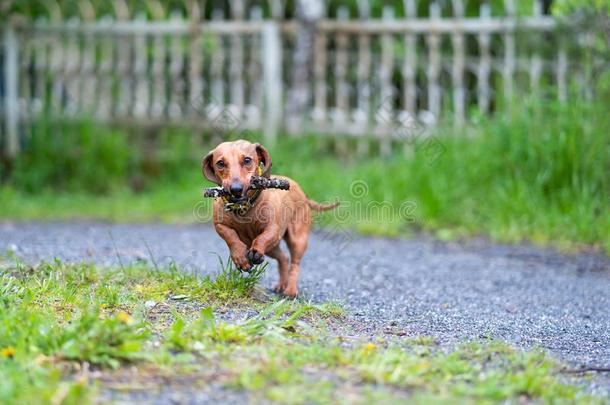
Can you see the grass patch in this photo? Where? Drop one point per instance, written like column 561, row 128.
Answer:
column 67, row 331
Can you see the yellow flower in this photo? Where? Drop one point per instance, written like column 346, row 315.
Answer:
column 368, row 348
column 7, row 352
column 124, row 317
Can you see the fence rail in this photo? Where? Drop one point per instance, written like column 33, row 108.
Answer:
column 369, row 76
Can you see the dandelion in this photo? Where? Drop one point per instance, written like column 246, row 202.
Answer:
column 368, row 348
column 124, row 317
column 7, row 352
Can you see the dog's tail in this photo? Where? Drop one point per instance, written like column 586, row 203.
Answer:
column 316, row 206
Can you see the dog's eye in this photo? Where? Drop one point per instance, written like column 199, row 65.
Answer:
column 247, row 160
column 220, row 164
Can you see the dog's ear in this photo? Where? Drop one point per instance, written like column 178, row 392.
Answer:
column 207, row 168
column 264, row 159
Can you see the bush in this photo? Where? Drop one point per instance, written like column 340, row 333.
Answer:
column 79, row 156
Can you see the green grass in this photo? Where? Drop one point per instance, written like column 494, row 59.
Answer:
column 59, row 322
column 538, row 173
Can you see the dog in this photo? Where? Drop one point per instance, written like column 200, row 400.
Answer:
column 253, row 222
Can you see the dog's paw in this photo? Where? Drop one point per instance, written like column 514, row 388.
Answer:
column 242, row 262
column 255, row 257
column 291, row 291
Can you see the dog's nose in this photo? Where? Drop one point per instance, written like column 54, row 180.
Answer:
column 236, row 188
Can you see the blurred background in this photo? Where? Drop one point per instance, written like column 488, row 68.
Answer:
column 484, row 117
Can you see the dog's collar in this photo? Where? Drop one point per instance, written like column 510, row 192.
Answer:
column 241, row 208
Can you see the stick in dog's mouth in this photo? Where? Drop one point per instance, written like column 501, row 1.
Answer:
column 256, row 183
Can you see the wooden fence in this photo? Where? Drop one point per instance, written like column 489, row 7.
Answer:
column 372, row 76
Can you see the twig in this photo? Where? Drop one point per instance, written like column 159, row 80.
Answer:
column 257, row 183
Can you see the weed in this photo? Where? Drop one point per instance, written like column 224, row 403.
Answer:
column 103, row 341
column 233, row 282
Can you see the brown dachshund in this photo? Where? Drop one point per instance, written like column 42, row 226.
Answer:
column 253, row 222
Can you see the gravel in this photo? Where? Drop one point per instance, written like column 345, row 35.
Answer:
column 527, row 296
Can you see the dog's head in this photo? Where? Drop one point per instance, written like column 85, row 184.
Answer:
column 232, row 165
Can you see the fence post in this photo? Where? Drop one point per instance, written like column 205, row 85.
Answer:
column 272, row 80
column 11, row 102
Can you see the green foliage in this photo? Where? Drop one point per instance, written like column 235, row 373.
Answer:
column 103, row 341
column 191, row 336
column 203, row 331
column 526, row 374
column 54, row 317
column 29, row 383
column 566, row 7
column 38, row 8
column 476, row 373
column 80, row 156
column 56, row 314
column 231, row 281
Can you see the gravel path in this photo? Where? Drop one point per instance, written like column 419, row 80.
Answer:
column 520, row 294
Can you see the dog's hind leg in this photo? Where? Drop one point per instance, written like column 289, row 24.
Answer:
column 296, row 239
column 283, row 267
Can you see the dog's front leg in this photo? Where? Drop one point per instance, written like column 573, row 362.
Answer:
column 237, row 248
column 264, row 242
